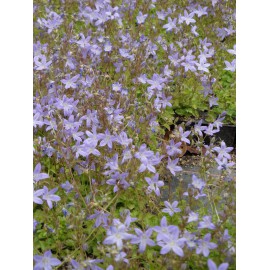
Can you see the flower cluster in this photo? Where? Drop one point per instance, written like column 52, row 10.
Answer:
column 108, row 79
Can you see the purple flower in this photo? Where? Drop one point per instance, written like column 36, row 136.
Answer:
column 189, row 239
column 204, row 55
column 101, row 17
column 172, row 166
column 210, row 131
column 223, row 164
column 51, row 124
column 198, row 128
column 197, row 183
column 125, row 53
column 212, row 265
column 67, row 186
column 41, row 64
column 229, row 31
column 107, row 46
column 170, row 242
column 116, row 235
column 116, row 87
column 106, row 139
column 206, row 223
column 143, row 79
column 117, row 180
column 123, row 139
column 50, row 197
column 118, row 66
column 54, row 21
column 189, row 65
column 165, row 101
column 90, row 148
column 173, row 148
column 71, row 124
column 83, row 42
column 76, row 265
column 232, row 51
column 204, row 43
column 77, row 135
column 91, row 118
column 95, row 50
column 156, row 82
column 203, row 65
column 38, row 175
column 175, row 59
column 226, row 236
column 204, row 245
column 189, row 56
column 157, row 103
column 167, row 71
column 230, row 66
column 121, row 257
column 38, row 48
column 170, row 25
column 223, row 151
column 193, row 217
column 80, row 150
column 201, row 11
column 188, row 18
column 206, row 89
column 161, row 15
column 46, row 261
column 143, row 239
column 213, row 101
column 92, row 264
column 154, row 184
column 143, row 154
column 101, row 218
column 222, row 33
column 128, row 219
column 70, row 82
column 193, row 30
column 141, row 18
column 184, row 135
column 214, row 2
column 37, row 120
column 148, row 164
column 163, row 228
column 93, row 137
column 36, row 195
column 112, row 163
column 218, row 122
column 208, row 150
column 71, row 62
column 126, row 155
column 68, row 105
column 171, row 208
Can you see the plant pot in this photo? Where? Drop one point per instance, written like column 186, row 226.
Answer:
column 227, row 132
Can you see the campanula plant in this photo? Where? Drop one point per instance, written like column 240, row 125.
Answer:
column 110, row 79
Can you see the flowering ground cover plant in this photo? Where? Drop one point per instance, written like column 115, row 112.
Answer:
column 109, row 77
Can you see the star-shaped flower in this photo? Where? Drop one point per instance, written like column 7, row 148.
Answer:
column 171, row 208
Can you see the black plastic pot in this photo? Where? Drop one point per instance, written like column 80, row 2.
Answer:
column 227, row 133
